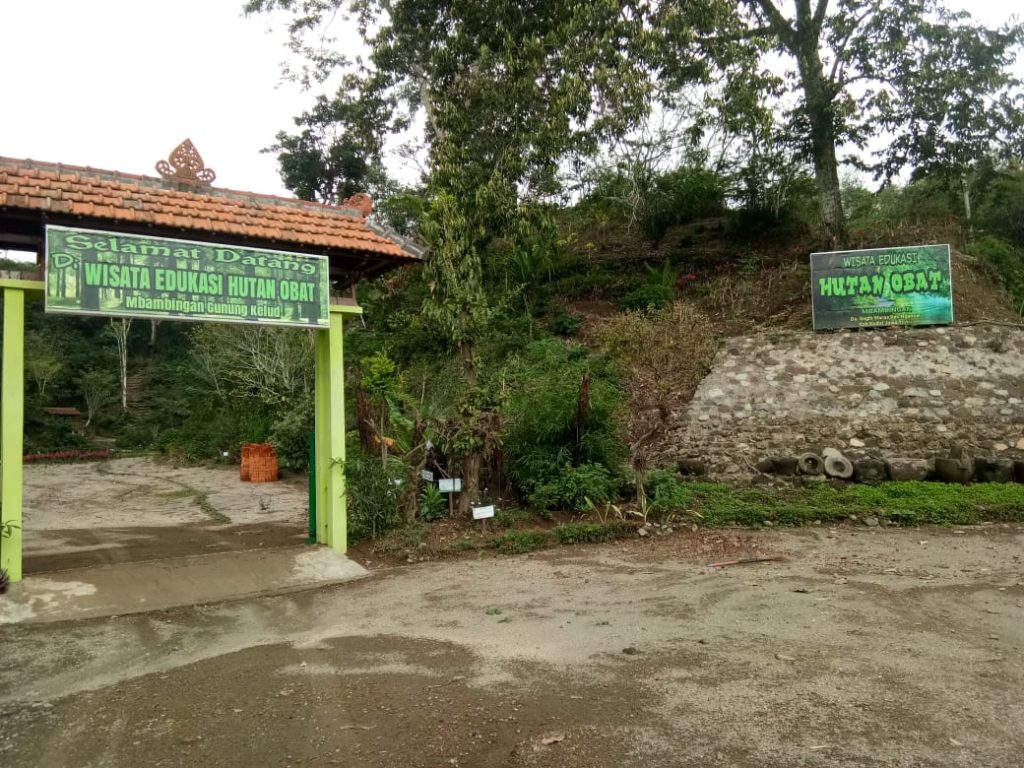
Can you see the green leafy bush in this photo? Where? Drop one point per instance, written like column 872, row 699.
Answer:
column 667, row 493
column 433, row 504
column 649, row 296
column 554, row 458
column 565, row 324
column 1008, row 261
column 583, row 533
column 290, row 435
column 375, row 494
column 573, row 486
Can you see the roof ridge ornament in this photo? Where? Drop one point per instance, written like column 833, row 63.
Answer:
column 185, row 164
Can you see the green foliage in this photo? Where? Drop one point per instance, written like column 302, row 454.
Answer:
column 518, row 542
column 667, row 493
column 575, row 488
column 649, row 296
column 554, row 457
column 679, row 197
column 565, row 324
column 587, row 533
column 507, row 518
column 1008, row 261
column 1001, row 207
column 289, row 434
column 375, row 494
column 433, row 503
column 909, row 503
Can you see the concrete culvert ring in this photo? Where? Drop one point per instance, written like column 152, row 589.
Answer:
column 838, row 466
column 811, row 464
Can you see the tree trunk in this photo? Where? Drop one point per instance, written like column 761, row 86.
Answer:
column 819, row 106
column 470, row 483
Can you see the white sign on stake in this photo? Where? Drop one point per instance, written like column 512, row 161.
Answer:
column 450, row 485
column 482, row 513
column 427, row 475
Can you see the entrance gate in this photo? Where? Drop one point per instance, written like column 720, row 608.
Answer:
column 34, row 196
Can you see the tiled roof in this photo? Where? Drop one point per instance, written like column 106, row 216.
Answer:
column 70, row 191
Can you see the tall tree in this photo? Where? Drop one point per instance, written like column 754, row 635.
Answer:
column 913, row 75
column 507, row 90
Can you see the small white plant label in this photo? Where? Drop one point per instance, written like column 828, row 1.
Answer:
column 482, row 513
column 450, row 485
column 427, row 475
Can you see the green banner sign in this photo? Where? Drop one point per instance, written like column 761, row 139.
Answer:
column 884, row 286
column 107, row 273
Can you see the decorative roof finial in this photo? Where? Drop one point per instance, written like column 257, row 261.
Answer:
column 361, row 202
column 186, row 165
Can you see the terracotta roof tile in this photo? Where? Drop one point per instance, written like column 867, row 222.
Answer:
column 30, row 185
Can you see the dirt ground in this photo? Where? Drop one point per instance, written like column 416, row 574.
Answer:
column 865, row 647
column 136, row 509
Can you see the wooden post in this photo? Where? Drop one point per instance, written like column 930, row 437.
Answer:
column 12, row 425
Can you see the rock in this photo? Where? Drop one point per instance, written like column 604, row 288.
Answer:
column 869, row 471
column 1019, row 445
column 766, row 466
column 837, row 465
column 784, row 657
column 786, row 465
column 811, row 464
column 691, row 467
column 954, row 470
column 881, row 387
column 871, row 522
column 857, row 443
column 993, row 470
column 631, row 651
column 642, row 532
column 905, row 470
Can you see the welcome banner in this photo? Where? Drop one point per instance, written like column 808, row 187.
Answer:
column 89, row 272
column 883, row 286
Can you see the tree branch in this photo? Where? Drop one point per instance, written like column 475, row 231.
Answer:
column 777, row 22
column 819, row 14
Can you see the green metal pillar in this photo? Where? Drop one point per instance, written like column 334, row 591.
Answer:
column 331, row 506
column 12, row 426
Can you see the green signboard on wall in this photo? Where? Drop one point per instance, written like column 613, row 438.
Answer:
column 89, row 272
column 884, row 286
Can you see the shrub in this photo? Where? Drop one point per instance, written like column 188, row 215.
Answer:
column 565, row 324
column 581, row 533
column 650, row 296
column 1008, row 261
column 375, row 494
column 667, row 492
column 433, row 504
column 545, row 440
column 290, row 436
column 573, row 486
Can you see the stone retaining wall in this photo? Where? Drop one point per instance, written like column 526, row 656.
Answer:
column 887, row 394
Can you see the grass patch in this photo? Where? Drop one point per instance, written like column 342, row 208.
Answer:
column 909, row 503
column 518, row 542
column 585, row 533
column 507, row 518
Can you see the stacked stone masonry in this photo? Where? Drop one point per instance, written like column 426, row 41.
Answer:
column 887, row 394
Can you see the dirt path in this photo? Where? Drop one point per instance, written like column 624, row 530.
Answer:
column 864, row 648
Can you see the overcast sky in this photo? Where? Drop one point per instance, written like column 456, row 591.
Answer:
column 116, row 84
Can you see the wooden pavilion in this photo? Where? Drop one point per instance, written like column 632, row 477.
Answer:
column 182, row 204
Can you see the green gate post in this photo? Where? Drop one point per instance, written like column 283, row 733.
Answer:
column 331, row 506
column 312, row 489
column 12, row 413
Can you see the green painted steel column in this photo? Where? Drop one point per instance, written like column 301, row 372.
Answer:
column 322, row 431
column 12, row 414
column 337, row 503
